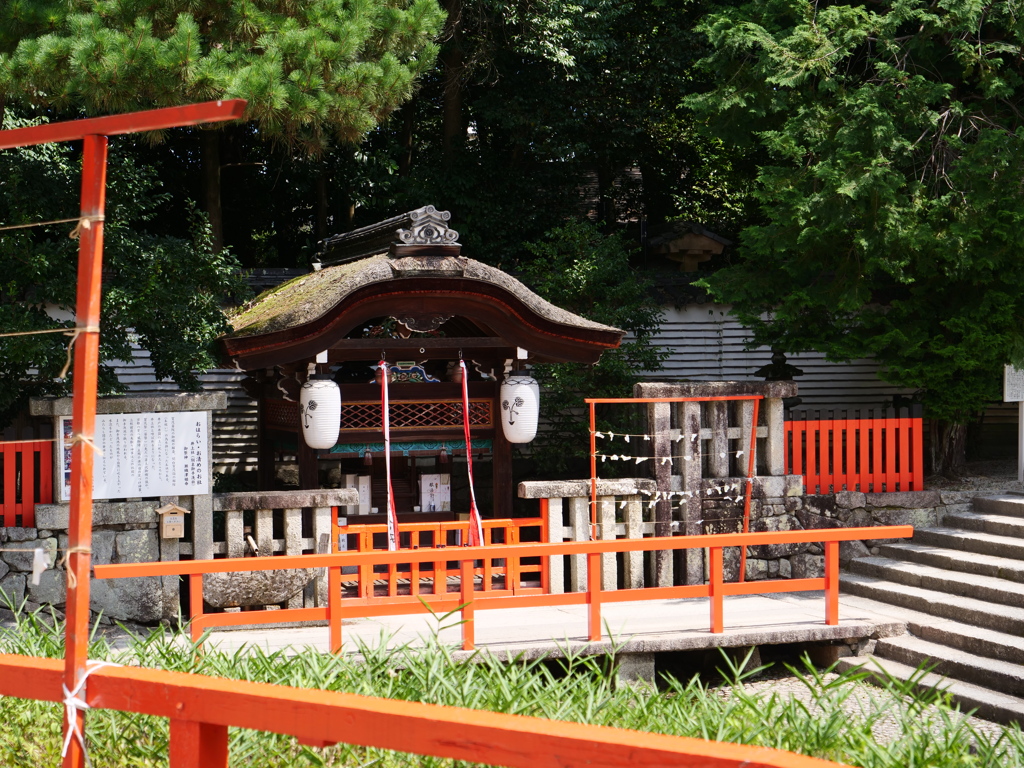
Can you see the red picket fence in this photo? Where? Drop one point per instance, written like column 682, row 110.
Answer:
column 873, row 454
column 26, row 478
column 469, row 599
column 512, row 576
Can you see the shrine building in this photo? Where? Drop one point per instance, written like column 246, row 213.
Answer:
column 400, row 291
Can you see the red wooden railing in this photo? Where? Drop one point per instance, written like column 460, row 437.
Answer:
column 202, row 708
column 407, row 581
column 469, row 599
column 871, row 455
column 26, row 479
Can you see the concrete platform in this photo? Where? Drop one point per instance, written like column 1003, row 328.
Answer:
column 643, row 627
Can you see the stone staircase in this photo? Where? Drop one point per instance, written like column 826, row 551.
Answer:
column 960, row 588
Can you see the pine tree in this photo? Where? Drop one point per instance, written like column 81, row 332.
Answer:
column 314, row 71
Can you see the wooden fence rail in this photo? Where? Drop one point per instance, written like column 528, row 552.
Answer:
column 871, row 455
column 202, row 708
column 469, row 600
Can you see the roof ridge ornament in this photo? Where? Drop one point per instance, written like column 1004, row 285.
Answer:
column 418, row 233
column 429, row 227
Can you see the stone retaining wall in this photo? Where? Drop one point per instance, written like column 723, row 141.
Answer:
column 124, row 532
column 846, row 509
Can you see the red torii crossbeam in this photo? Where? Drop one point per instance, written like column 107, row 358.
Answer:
column 94, row 133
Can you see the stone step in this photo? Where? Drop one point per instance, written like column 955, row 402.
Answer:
column 997, row 675
column 988, row 704
column 1001, row 618
column 974, row 640
column 1011, row 504
column 956, row 560
column 966, row 637
column 1000, row 525
column 971, row 541
column 988, row 588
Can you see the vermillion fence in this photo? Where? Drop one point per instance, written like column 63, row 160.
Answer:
column 202, row 708
column 26, row 476
column 469, row 599
column 512, row 576
column 872, row 453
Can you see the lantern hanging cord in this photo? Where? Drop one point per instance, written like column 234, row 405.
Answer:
column 74, row 701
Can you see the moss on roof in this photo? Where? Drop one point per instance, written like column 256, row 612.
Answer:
column 307, row 297
column 311, row 296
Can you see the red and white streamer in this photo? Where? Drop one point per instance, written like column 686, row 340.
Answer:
column 476, row 529
column 386, row 419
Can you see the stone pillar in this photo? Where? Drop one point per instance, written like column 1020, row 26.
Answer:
column 579, row 519
column 746, row 417
column 658, row 426
column 690, row 449
column 718, row 458
column 633, row 575
column 555, row 534
column 170, row 551
column 776, row 444
column 293, row 543
column 202, row 527
column 609, row 566
column 321, row 535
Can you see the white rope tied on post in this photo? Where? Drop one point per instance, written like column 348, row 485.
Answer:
column 74, row 702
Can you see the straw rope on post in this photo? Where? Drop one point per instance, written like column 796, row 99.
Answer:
column 86, row 362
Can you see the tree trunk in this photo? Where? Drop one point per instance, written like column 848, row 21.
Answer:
column 321, row 205
column 210, row 143
column 949, row 448
column 406, row 137
column 453, row 63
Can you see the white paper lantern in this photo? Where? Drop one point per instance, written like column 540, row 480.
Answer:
column 520, row 407
column 320, row 412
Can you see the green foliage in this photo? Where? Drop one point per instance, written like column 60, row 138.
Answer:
column 579, row 269
column 891, row 197
column 835, row 718
column 567, row 109
column 164, row 290
column 311, row 70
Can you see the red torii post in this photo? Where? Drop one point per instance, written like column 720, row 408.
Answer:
column 86, row 341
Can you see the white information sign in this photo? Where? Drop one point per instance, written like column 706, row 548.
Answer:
column 435, row 493
column 1013, row 384
column 144, row 454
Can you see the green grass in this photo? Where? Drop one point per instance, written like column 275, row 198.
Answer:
column 835, row 723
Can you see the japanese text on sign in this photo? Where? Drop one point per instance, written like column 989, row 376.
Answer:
column 144, row 454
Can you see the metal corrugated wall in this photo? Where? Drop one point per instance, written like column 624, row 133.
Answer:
column 706, row 343
column 234, row 430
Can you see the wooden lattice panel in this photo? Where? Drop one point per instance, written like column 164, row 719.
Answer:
column 362, row 416
column 281, row 413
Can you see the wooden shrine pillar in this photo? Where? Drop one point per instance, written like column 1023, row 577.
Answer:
column 265, row 467
column 309, row 476
column 501, row 461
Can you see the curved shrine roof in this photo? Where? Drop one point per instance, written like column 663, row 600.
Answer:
column 317, row 311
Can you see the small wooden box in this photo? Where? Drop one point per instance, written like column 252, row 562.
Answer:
column 172, row 521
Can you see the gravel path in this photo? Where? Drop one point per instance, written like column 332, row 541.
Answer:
column 982, row 476
column 866, row 698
